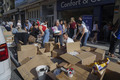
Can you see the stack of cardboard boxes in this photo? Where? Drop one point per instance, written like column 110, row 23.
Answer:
column 8, row 37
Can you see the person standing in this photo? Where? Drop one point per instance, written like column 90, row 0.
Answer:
column 115, row 38
column 19, row 24
column 44, row 33
column 73, row 27
column 82, row 29
column 7, row 26
column 80, row 18
column 28, row 25
column 59, row 35
column 95, row 32
column 106, row 31
column 65, row 27
column 38, row 22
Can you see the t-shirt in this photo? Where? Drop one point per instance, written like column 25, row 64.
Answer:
column 60, row 28
column 81, row 28
column 19, row 24
column 72, row 25
column 69, row 40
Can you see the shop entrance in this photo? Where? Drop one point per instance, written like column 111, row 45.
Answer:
column 76, row 13
column 107, row 17
column 50, row 19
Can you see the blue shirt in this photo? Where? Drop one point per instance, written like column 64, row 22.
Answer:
column 60, row 28
column 118, row 33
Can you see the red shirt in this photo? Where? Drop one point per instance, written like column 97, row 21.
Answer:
column 43, row 27
column 72, row 25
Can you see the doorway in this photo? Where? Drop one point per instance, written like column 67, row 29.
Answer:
column 50, row 19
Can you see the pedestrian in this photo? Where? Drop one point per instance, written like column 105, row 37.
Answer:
column 28, row 25
column 95, row 32
column 44, row 33
column 45, row 23
column 65, row 28
column 67, row 39
column 19, row 24
column 115, row 39
column 38, row 22
column 106, row 31
column 7, row 26
column 82, row 29
column 72, row 27
column 60, row 34
column 80, row 18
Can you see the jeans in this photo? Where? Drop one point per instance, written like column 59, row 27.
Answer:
column 84, row 39
column 60, row 39
column 114, row 42
column 46, row 37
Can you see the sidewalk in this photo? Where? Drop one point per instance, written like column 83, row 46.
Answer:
column 105, row 46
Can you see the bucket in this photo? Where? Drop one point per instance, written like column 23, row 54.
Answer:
column 41, row 70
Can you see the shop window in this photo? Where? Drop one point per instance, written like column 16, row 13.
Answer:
column 37, row 13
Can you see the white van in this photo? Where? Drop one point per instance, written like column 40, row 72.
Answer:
column 5, row 62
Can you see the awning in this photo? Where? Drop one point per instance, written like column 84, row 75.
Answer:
column 10, row 11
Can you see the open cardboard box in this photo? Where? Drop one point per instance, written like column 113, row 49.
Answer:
column 28, row 71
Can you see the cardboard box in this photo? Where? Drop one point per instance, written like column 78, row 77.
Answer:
column 64, row 64
column 86, row 58
column 27, row 70
column 57, row 46
column 49, row 46
column 69, row 58
column 85, row 48
column 41, row 51
column 71, row 47
column 57, row 52
column 112, row 72
column 28, row 51
column 100, row 54
column 48, row 54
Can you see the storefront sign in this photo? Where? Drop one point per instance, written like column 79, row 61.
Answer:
column 70, row 4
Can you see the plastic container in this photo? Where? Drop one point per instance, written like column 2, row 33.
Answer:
column 41, row 70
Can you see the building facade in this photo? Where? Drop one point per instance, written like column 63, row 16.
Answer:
column 101, row 11
column 37, row 9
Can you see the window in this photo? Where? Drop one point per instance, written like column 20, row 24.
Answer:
column 37, row 14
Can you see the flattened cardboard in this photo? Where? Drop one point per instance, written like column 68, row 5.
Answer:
column 69, row 58
column 63, row 76
column 86, row 58
column 71, row 47
column 27, row 51
column 49, row 46
column 80, row 74
column 27, row 70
